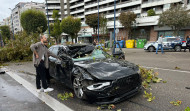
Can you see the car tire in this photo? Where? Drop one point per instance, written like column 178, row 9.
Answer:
column 78, row 88
column 178, row 48
column 151, row 49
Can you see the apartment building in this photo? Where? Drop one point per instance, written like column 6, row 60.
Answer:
column 145, row 26
column 2, row 23
column 53, row 5
column 19, row 8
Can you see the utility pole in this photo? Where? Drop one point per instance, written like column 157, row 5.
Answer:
column 47, row 17
column 114, row 28
column 98, row 21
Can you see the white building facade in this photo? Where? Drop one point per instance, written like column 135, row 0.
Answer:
column 19, row 8
column 145, row 27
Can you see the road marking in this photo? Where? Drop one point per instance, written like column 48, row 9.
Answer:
column 166, row 69
column 50, row 101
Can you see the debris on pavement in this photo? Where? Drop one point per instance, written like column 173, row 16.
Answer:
column 176, row 103
column 148, row 96
column 105, row 106
column 187, row 109
column 177, row 68
column 65, row 96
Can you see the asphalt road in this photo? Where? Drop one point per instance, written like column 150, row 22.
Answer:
column 165, row 64
column 14, row 97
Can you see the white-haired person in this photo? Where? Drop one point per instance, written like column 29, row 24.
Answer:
column 40, row 60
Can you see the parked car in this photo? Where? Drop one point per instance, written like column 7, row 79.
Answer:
column 169, row 43
column 93, row 75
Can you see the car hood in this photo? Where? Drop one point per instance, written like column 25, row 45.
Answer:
column 109, row 69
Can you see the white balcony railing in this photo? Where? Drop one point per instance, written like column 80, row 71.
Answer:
column 53, row 7
column 152, row 3
column 55, row 1
column 145, row 21
column 77, row 11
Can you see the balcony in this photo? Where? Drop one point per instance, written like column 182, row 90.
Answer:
column 53, row 7
column 143, row 21
column 77, row 11
column 107, row 8
column 147, row 21
column 111, row 15
column 78, row 5
column 53, row 19
column 51, row 13
column 110, row 24
column 152, row 3
column 71, row 1
column 55, row 1
column 80, row 16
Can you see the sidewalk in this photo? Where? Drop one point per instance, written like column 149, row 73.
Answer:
column 24, row 67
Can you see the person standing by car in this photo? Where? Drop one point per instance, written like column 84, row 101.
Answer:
column 160, row 41
column 187, row 43
column 40, row 60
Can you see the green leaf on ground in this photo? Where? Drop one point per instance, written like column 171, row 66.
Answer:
column 187, row 109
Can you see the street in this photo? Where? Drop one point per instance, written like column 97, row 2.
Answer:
column 173, row 67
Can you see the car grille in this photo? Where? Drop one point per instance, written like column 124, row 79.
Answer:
column 126, row 84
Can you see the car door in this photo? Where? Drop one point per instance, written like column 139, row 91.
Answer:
column 165, row 43
column 171, row 42
column 52, row 61
column 61, row 69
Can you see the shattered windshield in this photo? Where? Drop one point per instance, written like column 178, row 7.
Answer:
column 96, row 54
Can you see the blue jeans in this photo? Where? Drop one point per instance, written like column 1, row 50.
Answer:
column 159, row 45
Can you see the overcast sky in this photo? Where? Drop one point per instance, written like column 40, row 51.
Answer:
column 6, row 4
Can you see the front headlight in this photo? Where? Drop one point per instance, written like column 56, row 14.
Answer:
column 98, row 86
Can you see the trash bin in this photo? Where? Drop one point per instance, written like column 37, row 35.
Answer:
column 141, row 43
column 130, row 43
column 121, row 43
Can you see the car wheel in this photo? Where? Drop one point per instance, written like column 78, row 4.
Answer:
column 78, row 88
column 151, row 49
column 177, row 48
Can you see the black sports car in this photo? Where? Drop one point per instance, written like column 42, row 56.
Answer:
column 93, row 74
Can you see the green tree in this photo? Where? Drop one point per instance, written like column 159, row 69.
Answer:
column 151, row 12
column 32, row 19
column 56, row 28
column 176, row 17
column 103, row 24
column 127, row 19
column 92, row 21
column 71, row 26
column 5, row 31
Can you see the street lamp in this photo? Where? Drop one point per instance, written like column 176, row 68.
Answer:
column 47, row 17
column 114, row 27
column 12, row 23
column 98, row 21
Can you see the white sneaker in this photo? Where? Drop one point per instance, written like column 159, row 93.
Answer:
column 48, row 90
column 40, row 90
